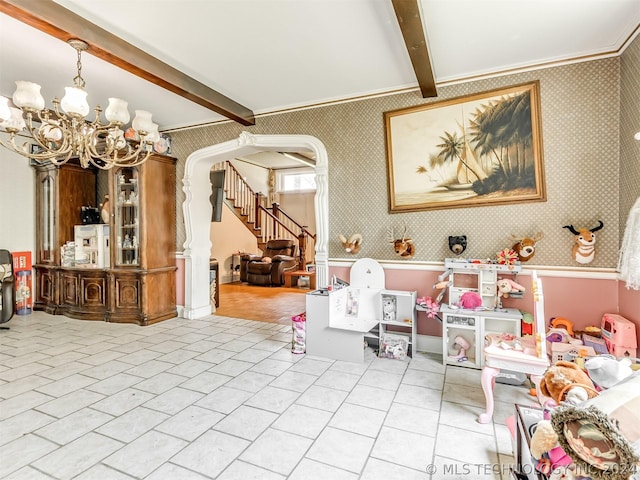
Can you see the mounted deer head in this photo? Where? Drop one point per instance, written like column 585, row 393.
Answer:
column 526, row 247
column 584, row 249
column 404, row 246
column 353, row 244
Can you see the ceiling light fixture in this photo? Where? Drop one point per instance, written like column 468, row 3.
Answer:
column 63, row 133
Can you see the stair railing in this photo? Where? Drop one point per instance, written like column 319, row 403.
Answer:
column 265, row 223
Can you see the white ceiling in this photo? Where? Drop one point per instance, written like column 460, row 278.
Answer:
column 270, row 55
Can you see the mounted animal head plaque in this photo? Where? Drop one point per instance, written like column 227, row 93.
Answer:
column 584, row 248
column 352, row 245
column 457, row 243
column 525, row 247
column 403, row 246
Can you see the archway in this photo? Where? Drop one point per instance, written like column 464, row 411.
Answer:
column 197, row 208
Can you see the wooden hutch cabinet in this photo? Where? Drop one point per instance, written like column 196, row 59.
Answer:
column 135, row 282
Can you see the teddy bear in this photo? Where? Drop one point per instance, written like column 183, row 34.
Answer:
column 552, row 459
column 566, row 382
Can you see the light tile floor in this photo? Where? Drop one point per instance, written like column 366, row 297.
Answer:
column 225, row 398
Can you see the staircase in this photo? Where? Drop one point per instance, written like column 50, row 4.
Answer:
column 265, row 222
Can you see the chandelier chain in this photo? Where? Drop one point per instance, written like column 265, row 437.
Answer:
column 78, row 81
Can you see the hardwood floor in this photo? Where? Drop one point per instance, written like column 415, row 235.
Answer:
column 265, row 304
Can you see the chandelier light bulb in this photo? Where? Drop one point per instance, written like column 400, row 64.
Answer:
column 142, row 121
column 27, row 95
column 5, row 113
column 153, row 135
column 15, row 123
column 75, row 102
column 117, row 111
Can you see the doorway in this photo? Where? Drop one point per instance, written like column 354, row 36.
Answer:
column 197, row 208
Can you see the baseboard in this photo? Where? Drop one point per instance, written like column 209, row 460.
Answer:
column 194, row 313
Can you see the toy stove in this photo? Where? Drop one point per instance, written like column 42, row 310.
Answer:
column 619, row 335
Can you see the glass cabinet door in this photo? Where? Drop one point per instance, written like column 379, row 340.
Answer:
column 127, row 216
column 47, row 234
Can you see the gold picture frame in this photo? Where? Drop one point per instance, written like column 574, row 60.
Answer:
column 472, row 151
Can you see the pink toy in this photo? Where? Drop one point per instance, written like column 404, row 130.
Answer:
column 619, row 335
column 506, row 287
column 464, row 347
column 470, row 300
column 430, row 306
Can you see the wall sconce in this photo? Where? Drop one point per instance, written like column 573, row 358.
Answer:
column 637, row 136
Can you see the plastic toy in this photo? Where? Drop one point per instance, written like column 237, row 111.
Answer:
column 558, row 322
column 464, row 347
column 619, row 335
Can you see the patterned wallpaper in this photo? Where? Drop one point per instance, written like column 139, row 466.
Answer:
column 629, row 125
column 580, row 106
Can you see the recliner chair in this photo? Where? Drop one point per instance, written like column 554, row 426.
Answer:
column 258, row 272
column 8, row 287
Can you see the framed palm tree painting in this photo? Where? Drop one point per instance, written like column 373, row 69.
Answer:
column 477, row 150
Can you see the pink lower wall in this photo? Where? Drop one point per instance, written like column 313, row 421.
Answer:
column 581, row 300
column 629, row 301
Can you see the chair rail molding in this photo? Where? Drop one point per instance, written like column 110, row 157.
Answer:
column 197, row 208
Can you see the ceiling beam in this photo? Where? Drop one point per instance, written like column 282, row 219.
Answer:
column 410, row 21
column 55, row 20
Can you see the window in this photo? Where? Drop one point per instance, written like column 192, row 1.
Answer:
column 296, row 180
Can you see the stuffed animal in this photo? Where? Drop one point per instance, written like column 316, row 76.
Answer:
column 525, row 247
column 457, row 243
column 404, row 246
column 584, row 247
column 470, row 300
column 552, row 459
column 566, row 382
column 605, row 371
column 506, row 287
column 353, row 244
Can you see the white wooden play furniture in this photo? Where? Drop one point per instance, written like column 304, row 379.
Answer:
column 340, row 320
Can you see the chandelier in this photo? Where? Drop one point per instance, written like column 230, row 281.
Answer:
column 63, row 133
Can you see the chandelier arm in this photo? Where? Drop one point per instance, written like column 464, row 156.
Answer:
column 63, row 145
column 24, row 150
